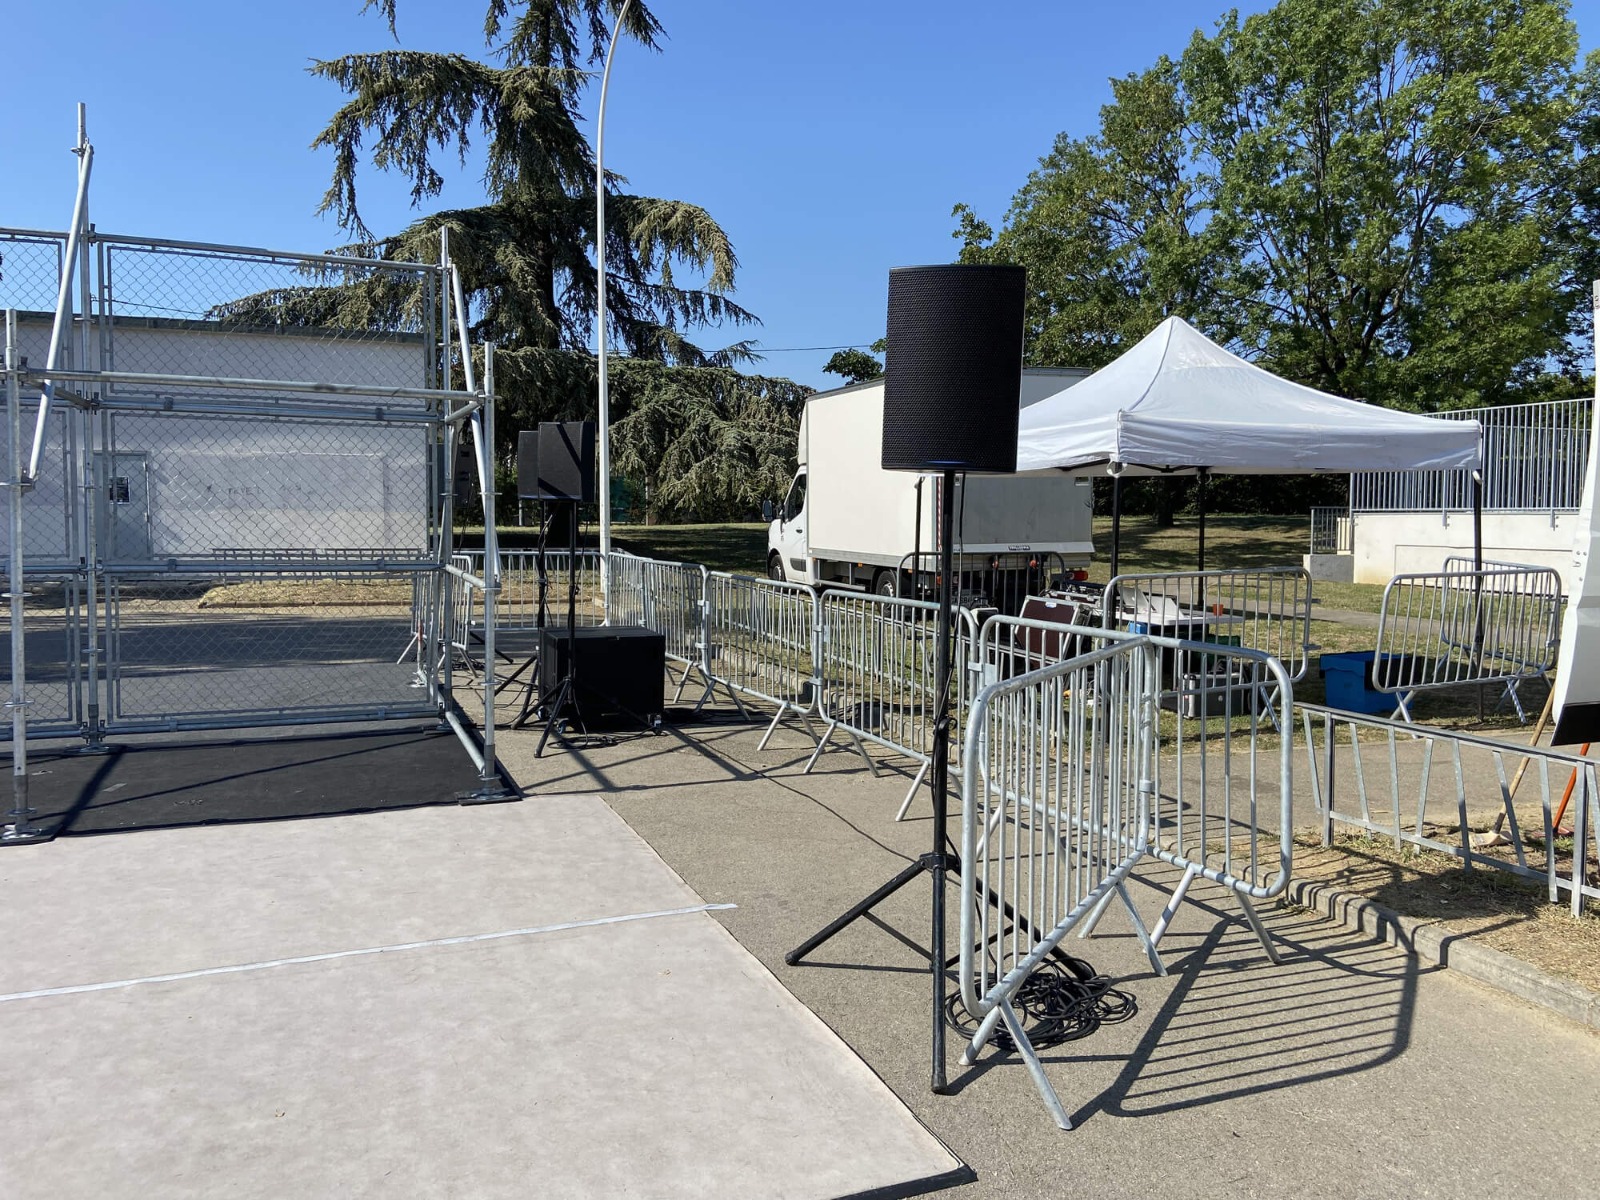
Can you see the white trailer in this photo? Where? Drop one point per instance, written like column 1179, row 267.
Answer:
column 847, row 522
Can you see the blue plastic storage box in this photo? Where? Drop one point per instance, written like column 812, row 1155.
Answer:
column 1347, row 683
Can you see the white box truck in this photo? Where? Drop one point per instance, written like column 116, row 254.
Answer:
column 847, row 522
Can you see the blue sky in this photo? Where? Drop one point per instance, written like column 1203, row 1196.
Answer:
column 829, row 138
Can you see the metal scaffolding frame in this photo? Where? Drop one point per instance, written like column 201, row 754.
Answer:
column 217, row 425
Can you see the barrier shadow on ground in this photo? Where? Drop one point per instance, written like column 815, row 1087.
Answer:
column 1234, row 1025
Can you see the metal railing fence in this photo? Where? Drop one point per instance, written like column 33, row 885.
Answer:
column 519, row 587
column 1222, row 807
column 668, row 597
column 1331, row 530
column 1534, row 456
column 1451, row 629
column 1267, row 609
column 1427, row 787
column 1059, row 769
column 760, row 641
column 876, row 676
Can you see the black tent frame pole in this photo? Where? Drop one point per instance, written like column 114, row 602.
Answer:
column 1200, row 504
column 1116, row 521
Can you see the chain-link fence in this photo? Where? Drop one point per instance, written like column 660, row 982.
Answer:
column 241, row 514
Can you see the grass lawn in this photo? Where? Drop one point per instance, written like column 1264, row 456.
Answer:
column 1231, row 541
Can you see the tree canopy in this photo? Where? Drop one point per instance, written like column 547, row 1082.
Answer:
column 525, row 255
column 855, row 366
column 1394, row 200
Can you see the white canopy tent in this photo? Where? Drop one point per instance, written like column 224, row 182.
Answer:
column 1178, row 403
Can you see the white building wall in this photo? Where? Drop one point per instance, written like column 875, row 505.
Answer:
column 1390, row 544
column 201, row 484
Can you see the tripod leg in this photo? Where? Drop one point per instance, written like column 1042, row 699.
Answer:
column 553, row 716
column 857, row 910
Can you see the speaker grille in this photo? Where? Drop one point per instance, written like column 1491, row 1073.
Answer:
column 954, row 379
column 528, row 465
column 566, row 460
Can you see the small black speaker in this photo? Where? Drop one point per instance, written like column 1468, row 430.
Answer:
column 953, row 387
column 566, row 460
column 528, row 465
column 466, row 477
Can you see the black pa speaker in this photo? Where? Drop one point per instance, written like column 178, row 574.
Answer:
column 528, row 465
column 954, row 381
column 566, row 460
column 466, row 476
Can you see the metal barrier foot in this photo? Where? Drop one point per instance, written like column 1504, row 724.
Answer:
column 1190, row 873
column 772, row 728
column 1035, row 1067
column 861, row 749
column 822, row 744
column 1253, row 919
column 911, row 792
column 1150, row 950
column 1095, row 913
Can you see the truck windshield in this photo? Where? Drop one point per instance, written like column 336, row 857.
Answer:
column 796, row 499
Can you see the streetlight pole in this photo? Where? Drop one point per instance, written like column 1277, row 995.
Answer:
column 604, row 465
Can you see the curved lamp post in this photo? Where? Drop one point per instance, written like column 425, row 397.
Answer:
column 604, row 438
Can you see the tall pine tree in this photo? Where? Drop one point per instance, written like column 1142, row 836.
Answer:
column 525, row 256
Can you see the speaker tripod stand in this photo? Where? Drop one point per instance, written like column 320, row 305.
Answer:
column 566, row 697
column 938, row 862
column 528, row 673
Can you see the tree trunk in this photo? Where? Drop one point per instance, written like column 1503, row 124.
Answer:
column 1170, row 495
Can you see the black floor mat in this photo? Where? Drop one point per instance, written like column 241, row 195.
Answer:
column 152, row 785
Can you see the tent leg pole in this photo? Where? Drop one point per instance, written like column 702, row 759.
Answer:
column 1116, row 521
column 1200, row 503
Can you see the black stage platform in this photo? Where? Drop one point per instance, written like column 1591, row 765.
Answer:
column 150, row 784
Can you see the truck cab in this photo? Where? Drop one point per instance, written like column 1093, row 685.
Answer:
column 787, row 555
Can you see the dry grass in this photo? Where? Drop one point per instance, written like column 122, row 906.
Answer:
column 310, row 593
column 1492, row 907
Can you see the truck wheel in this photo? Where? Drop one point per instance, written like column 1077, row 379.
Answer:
column 887, row 584
column 775, row 567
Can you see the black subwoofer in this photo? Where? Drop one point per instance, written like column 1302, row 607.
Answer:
column 566, row 460
column 619, row 673
column 954, row 379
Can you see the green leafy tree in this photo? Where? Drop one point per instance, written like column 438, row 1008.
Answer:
column 856, row 366
column 525, row 255
column 1395, row 188
column 707, row 443
column 1396, row 200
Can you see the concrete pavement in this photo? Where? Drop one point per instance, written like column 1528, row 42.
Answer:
column 1348, row 1071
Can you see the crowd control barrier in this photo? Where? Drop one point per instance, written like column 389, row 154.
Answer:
column 876, row 659
column 668, row 597
column 1259, row 608
column 1452, row 629
column 1223, row 808
column 1427, row 787
column 1057, row 781
column 759, row 642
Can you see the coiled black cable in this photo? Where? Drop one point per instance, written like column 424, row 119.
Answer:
column 1055, row 1004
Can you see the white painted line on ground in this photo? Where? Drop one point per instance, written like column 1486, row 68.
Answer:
column 464, row 939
